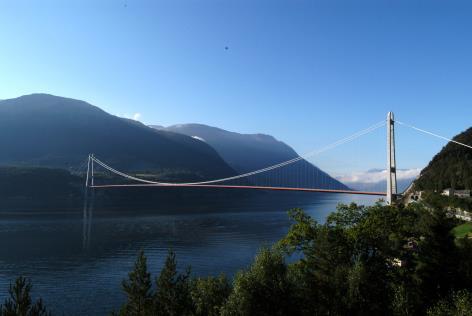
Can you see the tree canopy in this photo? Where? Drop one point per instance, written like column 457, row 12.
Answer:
column 377, row 260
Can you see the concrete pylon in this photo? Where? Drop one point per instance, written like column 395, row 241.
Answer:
column 91, row 169
column 391, row 163
column 88, row 172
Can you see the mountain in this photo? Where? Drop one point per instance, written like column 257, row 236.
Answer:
column 159, row 127
column 48, row 131
column 249, row 152
column 450, row 168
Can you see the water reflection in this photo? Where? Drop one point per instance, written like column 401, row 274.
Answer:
column 89, row 201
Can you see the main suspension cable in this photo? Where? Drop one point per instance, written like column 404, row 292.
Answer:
column 279, row 165
column 433, row 134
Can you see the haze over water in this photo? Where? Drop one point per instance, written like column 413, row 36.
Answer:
column 77, row 264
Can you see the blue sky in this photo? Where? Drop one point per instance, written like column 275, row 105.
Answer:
column 307, row 72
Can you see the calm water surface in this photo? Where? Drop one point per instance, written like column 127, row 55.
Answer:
column 77, row 260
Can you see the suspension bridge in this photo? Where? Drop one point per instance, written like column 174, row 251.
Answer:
column 272, row 179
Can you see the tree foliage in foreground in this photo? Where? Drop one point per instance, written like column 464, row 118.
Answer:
column 263, row 289
column 459, row 304
column 19, row 302
column 138, row 289
column 209, row 295
column 171, row 296
column 378, row 260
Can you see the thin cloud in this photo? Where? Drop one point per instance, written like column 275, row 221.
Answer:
column 374, row 176
column 136, row 116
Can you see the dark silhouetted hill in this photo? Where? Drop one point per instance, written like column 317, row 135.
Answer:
column 249, row 152
column 50, row 131
column 450, row 168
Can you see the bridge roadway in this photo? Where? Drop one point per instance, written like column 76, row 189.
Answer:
column 250, row 187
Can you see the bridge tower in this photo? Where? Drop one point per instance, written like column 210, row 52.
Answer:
column 89, row 178
column 89, row 181
column 391, row 163
column 89, row 199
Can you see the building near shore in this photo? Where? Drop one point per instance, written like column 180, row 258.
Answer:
column 458, row 193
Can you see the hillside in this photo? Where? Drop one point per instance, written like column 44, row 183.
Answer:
column 49, row 131
column 249, row 152
column 450, row 168
column 36, row 183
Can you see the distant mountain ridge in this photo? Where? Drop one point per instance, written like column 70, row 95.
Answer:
column 450, row 168
column 374, row 180
column 236, row 148
column 50, row 131
column 249, row 152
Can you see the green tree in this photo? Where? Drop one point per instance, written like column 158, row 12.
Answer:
column 19, row 302
column 377, row 260
column 460, row 304
column 464, row 246
column 353, row 263
column 322, row 270
column 172, row 295
column 138, row 289
column 436, row 261
column 264, row 289
column 209, row 295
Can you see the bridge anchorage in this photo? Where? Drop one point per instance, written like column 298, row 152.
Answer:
column 391, row 193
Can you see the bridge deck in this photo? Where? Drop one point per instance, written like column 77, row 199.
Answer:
column 249, row 187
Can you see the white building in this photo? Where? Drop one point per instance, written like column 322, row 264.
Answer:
column 458, row 193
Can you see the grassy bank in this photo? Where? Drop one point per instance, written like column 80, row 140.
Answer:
column 463, row 230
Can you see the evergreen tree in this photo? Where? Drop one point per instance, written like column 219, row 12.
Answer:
column 19, row 303
column 138, row 289
column 172, row 297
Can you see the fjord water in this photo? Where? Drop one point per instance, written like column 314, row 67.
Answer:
column 77, row 259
